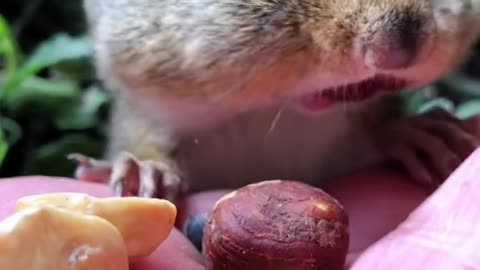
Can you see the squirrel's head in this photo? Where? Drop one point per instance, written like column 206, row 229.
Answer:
column 408, row 38
column 366, row 46
column 327, row 44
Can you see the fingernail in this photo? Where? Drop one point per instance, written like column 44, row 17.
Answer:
column 78, row 159
column 193, row 230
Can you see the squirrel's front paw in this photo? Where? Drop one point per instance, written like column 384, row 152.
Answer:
column 429, row 146
column 129, row 176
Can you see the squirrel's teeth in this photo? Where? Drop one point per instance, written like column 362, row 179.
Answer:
column 361, row 90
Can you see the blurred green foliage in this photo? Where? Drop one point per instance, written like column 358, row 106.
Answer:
column 51, row 104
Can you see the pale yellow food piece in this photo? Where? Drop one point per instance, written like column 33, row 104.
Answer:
column 48, row 238
column 143, row 223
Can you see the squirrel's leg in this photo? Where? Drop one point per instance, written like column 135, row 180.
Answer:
column 139, row 159
column 429, row 146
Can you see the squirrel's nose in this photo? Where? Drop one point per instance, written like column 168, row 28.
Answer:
column 395, row 41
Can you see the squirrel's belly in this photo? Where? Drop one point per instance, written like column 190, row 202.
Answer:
column 267, row 144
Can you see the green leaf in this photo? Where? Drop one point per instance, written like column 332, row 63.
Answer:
column 413, row 102
column 78, row 70
column 85, row 113
column 416, row 99
column 440, row 102
column 463, row 84
column 12, row 131
column 8, row 47
column 3, row 147
column 468, row 109
column 51, row 52
column 38, row 95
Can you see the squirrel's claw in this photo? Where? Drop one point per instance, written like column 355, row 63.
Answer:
column 128, row 176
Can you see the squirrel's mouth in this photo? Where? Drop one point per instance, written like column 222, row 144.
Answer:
column 353, row 92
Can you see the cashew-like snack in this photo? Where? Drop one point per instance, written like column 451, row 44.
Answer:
column 46, row 238
column 144, row 223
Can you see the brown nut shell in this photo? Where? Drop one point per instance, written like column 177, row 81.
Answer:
column 277, row 225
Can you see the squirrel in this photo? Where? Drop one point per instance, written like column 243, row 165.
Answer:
column 212, row 94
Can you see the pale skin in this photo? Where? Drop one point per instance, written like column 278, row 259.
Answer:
column 387, row 195
column 210, row 98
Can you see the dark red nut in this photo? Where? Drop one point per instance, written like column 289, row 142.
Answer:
column 279, row 225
